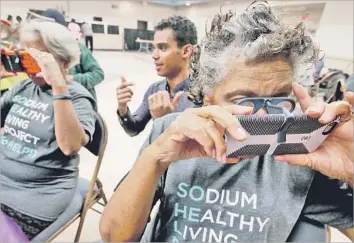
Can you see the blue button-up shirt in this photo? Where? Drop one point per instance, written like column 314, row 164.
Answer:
column 133, row 124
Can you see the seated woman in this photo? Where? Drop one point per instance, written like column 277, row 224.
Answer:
column 260, row 199
column 45, row 120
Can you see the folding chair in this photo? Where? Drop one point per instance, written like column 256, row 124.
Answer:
column 87, row 193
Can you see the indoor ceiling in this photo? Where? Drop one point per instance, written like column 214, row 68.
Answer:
column 176, row 3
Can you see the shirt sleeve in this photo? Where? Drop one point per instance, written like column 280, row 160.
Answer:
column 133, row 124
column 329, row 202
column 86, row 114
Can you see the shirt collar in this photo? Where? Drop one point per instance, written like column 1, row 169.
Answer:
column 183, row 86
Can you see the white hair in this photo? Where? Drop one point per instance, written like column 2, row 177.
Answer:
column 58, row 40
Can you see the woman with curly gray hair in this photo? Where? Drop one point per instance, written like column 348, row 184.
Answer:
column 46, row 120
column 253, row 199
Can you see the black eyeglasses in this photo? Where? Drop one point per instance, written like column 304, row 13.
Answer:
column 276, row 105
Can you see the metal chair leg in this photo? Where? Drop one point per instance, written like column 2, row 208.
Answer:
column 328, row 229
column 81, row 225
column 102, row 194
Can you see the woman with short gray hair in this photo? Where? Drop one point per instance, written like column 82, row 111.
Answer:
column 46, row 120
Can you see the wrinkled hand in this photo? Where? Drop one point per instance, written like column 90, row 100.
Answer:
column 335, row 157
column 50, row 69
column 124, row 95
column 6, row 74
column 160, row 103
column 198, row 132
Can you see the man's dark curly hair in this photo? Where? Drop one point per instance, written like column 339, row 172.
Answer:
column 183, row 28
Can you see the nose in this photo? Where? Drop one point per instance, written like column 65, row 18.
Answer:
column 155, row 54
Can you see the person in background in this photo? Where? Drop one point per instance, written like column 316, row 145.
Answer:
column 9, row 40
column 46, row 120
column 75, row 29
column 15, row 25
column 19, row 19
column 9, row 18
column 18, row 22
column 173, row 46
column 86, row 30
column 88, row 72
column 206, row 196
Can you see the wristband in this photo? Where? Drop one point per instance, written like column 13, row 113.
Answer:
column 62, row 97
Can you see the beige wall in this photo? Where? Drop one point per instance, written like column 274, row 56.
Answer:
column 291, row 10
column 334, row 20
column 125, row 15
column 335, row 34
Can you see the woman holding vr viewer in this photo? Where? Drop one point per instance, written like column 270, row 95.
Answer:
column 207, row 196
column 45, row 120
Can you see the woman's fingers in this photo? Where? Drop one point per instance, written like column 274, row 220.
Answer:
column 325, row 112
column 5, row 74
column 315, row 109
column 295, row 159
column 34, row 53
column 219, row 150
column 39, row 75
column 302, row 96
column 225, row 118
column 203, row 138
column 349, row 96
column 37, row 55
column 335, row 109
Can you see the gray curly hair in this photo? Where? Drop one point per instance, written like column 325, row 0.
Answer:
column 254, row 34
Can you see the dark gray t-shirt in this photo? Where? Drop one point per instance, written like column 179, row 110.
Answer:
column 255, row 200
column 36, row 178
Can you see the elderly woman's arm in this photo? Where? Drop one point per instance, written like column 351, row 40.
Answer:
column 6, row 101
column 69, row 132
column 5, row 105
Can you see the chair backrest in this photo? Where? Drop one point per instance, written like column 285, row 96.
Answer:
column 99, row 137
column 97, row 147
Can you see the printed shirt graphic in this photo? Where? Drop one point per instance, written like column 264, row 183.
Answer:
column 32, row 165
column 255, row 200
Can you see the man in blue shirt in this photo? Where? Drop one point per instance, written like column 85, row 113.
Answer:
column 173, row 46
